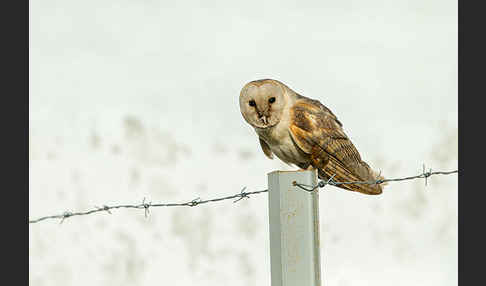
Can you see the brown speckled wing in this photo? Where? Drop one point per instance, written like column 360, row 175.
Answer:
column 317, row 132
column 266, row 149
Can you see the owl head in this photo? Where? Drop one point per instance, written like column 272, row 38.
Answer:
column 262, row 102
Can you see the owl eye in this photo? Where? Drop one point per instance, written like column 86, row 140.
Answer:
column 271, row 100
column 252, row 103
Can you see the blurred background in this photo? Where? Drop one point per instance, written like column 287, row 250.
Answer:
column 132, row 99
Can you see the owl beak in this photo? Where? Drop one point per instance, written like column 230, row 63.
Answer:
column 264, row 119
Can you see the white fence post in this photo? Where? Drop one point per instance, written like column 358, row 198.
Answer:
column 294, row 229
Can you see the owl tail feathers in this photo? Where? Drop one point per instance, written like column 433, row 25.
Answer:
column 359, row 172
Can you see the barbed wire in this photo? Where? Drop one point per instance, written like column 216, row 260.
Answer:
column 322, row 184
column 145, row 206
column 195, row 202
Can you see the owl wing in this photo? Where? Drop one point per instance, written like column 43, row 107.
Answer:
column 266, row 149
column 317, row 132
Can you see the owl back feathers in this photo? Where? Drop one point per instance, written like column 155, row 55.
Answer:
column 316, row 130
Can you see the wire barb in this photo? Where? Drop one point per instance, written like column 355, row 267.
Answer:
column 322, row 184
column 65, row 215
column 146, row 207
column 426, row 174
column 242, row 195
column 104, row 208
column 194, row 202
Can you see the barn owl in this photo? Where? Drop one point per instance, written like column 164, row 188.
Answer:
column 303, row 132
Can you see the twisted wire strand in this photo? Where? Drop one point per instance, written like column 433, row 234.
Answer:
column 322, row 184
column 146, row 206
column 239, row 196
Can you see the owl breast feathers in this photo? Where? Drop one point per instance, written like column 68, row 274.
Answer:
column 303, row 132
